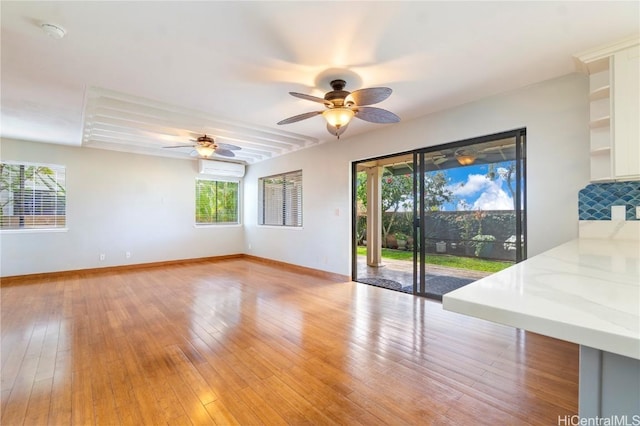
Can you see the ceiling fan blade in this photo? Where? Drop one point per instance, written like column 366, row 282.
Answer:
column 311, row 98
column 228, row 146
column 179, row 146
column 376, row 115
column 299, row 117
column 368, row 96
column 335, row 131
column 224, row 152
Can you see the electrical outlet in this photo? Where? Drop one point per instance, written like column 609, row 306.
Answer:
column 128, row 255
column 637, row 212
column 618, row 212
column 102, row 256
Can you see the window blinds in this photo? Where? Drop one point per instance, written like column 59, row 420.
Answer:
column 32, row 196
column 280, row 199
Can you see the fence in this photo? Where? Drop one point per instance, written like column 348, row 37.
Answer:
column 487, row 234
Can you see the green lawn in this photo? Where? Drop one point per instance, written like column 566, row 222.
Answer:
column 469, row 263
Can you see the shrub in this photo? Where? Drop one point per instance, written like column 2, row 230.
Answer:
column 401, row 236
column 482, row 243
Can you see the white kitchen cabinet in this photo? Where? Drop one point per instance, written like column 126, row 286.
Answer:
column 614, row 95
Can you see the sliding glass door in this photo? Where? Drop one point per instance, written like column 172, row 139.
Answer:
column 469, row 209
column 432, row 220
column 383, row 222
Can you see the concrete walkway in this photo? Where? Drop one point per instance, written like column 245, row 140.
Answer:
column 401, row 271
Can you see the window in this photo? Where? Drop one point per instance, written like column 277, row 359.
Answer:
column 32, row 196
column 216, row 202
column 280, row 199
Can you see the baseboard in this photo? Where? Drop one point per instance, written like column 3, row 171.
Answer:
column 22, row 279
column 302, row 269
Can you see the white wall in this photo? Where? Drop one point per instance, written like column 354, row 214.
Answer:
column 555, row 114
column 116, row 202
column 120, row 202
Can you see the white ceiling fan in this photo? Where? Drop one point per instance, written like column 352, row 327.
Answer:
column 206, row 146
column 342, row 106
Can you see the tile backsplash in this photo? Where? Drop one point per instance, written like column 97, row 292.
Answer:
column 596, row 199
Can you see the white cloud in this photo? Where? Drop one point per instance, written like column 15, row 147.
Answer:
column 481, row 193
column 473, row 185
column 493, row 200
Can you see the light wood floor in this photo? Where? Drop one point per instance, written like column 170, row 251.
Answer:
column 243, row 342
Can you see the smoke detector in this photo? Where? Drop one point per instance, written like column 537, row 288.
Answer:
column 53, row 30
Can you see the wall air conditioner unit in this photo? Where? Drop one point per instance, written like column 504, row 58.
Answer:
column 221, row 168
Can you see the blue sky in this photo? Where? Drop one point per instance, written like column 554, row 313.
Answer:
column 474, row 191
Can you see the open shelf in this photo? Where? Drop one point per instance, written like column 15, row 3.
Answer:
column 605, row 150
column 600, row 93
column 600, row 122
column 601, row 168
column 613, row 109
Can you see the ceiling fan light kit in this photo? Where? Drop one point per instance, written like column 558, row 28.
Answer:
column 465, row 157
column 206, row 146
column 205, row 151
column 338, row 117
column 342, row 106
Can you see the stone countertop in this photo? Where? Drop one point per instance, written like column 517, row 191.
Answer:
column 586, row 291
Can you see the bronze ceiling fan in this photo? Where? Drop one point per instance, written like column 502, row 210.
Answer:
column 342, row 106
column 206, row 146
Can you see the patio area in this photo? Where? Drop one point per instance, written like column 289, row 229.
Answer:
column 398, row 275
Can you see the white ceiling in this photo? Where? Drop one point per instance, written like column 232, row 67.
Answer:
column 179, row 69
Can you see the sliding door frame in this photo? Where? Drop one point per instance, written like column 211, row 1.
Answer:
column 419, row 215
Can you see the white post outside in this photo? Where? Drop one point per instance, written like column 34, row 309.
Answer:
column 374, row 216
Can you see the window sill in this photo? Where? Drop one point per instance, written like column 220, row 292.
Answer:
column 32, row 230
column 292, row 228
column 219, row 225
